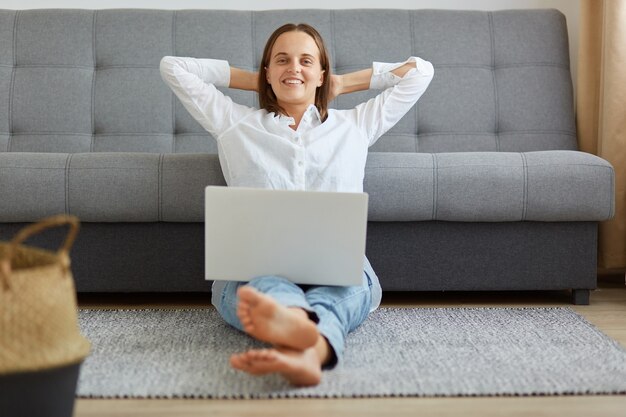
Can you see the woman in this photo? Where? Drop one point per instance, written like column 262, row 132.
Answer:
column 295, row 142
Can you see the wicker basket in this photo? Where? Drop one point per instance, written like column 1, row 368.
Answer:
column 41, row 347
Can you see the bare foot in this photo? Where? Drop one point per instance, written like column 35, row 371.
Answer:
column 266, row 320
column 301, row 368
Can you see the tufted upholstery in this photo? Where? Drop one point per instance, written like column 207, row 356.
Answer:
column 88, row 81
column 82, row 85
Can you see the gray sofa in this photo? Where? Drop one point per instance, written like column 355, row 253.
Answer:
column 479, row 187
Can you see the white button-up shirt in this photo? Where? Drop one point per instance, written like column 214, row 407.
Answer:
column 259, row 149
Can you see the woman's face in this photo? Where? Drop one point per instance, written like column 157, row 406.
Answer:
column 294, row 69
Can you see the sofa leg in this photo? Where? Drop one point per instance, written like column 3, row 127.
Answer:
column 580, row 297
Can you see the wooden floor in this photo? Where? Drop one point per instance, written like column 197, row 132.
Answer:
column 607, row 310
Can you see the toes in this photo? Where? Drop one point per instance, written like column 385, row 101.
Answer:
column 261, row 362
column 243, row 309
column 252, row 354
column 248, row 326
column 237, row 361
column 259, row 355
column 251, row 361
column 243, row 313
column 247, row 294
column 244, row 304
column 245, row 319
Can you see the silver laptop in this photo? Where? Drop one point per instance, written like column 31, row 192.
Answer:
column 308, row 237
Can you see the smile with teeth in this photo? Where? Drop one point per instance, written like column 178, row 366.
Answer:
column 293, row 81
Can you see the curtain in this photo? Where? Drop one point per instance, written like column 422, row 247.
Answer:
column 601, row 110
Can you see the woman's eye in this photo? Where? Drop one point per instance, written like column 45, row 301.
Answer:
column 308, row 61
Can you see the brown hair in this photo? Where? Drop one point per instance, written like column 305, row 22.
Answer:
column 267, row 98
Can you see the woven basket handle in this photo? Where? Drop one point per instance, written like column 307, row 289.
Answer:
column 28, row 231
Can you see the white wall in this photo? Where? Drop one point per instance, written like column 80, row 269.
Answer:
column 570, row 8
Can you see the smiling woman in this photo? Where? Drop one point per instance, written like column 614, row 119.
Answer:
column 295, row 142
column 295, row 72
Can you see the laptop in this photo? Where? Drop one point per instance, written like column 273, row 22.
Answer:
column 307, row 237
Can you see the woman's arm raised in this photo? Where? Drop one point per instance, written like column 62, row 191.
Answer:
column 360, row 80
column 243, row 80
column 194, row 82
column 403, row 84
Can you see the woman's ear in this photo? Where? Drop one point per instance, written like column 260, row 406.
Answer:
column 321, row 82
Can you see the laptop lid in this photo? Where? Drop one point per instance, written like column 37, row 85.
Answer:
column 308, row 237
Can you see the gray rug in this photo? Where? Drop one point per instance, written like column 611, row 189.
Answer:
column 396, row 352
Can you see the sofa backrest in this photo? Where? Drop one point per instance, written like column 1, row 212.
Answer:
column 88, row 80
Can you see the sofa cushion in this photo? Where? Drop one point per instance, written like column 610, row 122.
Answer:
column 489, row 186
column 465, row 187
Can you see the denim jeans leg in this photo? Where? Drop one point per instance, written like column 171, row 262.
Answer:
column 282, row 290
column 340, row 311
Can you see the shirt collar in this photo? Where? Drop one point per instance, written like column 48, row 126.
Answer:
column 310, row 114
column 313, row 112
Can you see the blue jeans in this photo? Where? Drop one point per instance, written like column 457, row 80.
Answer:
column 336, row 310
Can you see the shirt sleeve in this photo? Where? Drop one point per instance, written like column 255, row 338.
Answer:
column 379, row 114
column 194, row 82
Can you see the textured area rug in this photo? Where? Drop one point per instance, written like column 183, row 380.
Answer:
column 396, row 352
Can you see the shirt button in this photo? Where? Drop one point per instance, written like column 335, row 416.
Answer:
column 300, row 163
